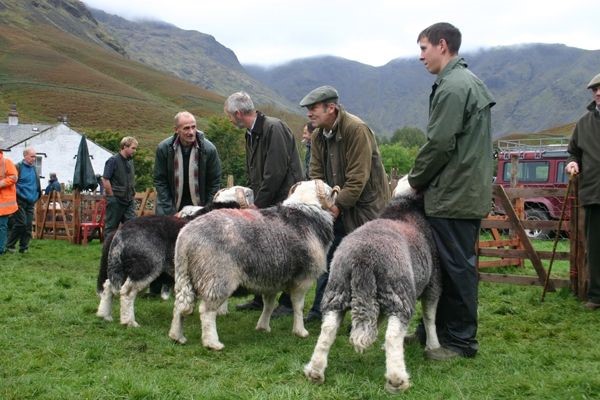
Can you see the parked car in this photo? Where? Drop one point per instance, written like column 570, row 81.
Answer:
column 541, row 163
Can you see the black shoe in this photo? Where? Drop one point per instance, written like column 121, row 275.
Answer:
column 23, row 251
column 282, row 311
column 251, row 305
column 312, row 316
column 10, row 249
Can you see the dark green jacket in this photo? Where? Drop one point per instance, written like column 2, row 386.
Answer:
column 351, row 160
column 209, row 177
column 584, row 147
column 272, row 161
column 455, row 166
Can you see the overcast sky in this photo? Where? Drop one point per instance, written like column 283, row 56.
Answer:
column 270, row 32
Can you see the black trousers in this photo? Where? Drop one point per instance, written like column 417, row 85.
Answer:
column 456, row 318
column 339, row 233
column 20, row 225
column 592, row 237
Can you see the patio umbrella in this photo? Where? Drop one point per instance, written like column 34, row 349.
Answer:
column 84, row 177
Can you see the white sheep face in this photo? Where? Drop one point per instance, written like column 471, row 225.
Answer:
column 403, row 188
column 306, row 192
column 238, row 194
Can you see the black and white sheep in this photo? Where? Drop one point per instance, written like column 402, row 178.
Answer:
column 266, row 251
column 143, row 248
column 382, row 267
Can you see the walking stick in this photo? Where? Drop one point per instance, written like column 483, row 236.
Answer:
column 557, row 236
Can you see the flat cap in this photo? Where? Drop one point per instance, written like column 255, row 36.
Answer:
column 318, row 95
column 594, row 82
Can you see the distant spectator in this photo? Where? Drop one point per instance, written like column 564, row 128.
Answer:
column 53, row 184
column 29, row 191
column 8, row 196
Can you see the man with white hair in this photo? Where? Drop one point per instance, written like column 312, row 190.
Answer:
column 29, row 191
column 584, row 150
column 272, row 165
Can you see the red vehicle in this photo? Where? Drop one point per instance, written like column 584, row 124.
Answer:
column 541, row 163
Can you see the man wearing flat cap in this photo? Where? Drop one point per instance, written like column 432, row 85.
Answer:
column 584, row 159
column 344, row 152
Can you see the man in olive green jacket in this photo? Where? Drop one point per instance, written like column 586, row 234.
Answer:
column 344, row 152
column 584, row 150
column 454, row 171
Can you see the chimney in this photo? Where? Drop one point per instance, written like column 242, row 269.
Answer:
column 13, row 115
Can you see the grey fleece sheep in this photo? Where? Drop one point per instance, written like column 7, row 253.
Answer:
column 382, row 267
column 142, row 249
column 266, row 251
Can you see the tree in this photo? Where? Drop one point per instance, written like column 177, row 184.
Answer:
column 397, row 156
column 409, row 137
column 230, row 143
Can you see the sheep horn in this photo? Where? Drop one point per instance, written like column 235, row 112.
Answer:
column 293, row 188
column 326, row 201
column 240, row 195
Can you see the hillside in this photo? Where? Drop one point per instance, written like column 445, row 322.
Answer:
column 190, row 55
column 536, row 86
column 51, row 65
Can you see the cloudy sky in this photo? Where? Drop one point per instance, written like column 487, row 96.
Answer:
column 270, row 32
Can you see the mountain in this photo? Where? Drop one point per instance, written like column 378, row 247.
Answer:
column 536, row 86
column 189, row 55
column 56, row 59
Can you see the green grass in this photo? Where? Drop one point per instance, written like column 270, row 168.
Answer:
column 52, row 346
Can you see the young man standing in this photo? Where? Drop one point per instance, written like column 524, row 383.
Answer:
column 454, row 171
column 118, row 181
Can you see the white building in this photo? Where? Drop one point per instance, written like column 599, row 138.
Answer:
column 56, row 147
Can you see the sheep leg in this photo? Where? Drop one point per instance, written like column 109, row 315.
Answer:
column 429, row 310
column 176, row 331
column 105, row 306
column 397, row 378
column 265, row 317
column 297, row 295
column 315, row 369
column 223, row 310
column 208, row 319
column 128, row 292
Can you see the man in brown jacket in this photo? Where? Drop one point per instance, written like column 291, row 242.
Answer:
column 272, row 165
column 344, row 152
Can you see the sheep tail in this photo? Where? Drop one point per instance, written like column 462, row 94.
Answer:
column 103, row 271
column 184, row 291
column 364, row 308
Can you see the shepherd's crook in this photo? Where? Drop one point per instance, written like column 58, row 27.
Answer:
column 557, row 236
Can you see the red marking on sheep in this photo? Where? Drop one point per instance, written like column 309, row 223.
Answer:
column 247, row 213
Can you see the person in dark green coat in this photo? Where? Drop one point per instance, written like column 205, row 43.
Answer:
column 584, row 150
column 272, row 165
column 454, row 170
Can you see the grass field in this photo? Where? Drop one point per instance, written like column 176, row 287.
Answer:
column 52, row 346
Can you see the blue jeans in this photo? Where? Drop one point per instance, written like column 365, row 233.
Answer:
column 3, row 232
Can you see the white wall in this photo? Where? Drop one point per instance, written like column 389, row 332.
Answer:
column 60, row 143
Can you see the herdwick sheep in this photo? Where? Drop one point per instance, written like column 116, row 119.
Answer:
column 382, row 267
column 266, row 251
column 142, row 249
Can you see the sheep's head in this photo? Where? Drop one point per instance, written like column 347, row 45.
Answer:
column 188, row 211
column 315, row 192
column 403, row 189
column 242, row 195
